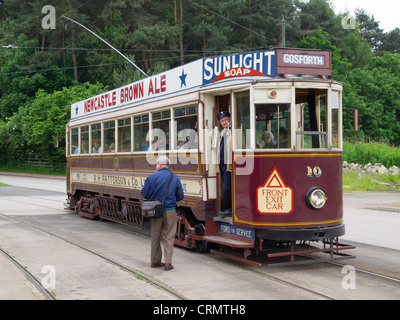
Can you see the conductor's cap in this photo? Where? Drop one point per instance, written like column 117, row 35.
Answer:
column 223, row 114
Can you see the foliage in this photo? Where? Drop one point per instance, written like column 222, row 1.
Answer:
column 364, row 152
column 43, row 70
column 31, row 131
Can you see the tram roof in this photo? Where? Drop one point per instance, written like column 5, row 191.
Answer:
column 276, row 64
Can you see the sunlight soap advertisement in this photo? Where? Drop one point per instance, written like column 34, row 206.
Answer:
column 240, row 65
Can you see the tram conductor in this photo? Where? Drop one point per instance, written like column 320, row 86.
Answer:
column 225, row 161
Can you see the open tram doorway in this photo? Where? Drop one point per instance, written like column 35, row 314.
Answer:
column 224, row 176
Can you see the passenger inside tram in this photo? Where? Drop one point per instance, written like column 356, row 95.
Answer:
column 269, row 140
column 272, row 121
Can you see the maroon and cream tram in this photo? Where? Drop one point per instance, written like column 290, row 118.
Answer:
column 283, row 195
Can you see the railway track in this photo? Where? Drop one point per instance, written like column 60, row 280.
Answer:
column 138, row 274
column 36, row 282
column 317, row 294
column 165, row 287
column 270, row 276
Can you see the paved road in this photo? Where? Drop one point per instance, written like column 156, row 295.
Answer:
column 370, row 218
column 373, row 218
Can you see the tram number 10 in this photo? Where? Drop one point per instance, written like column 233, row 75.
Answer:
column 316, row 171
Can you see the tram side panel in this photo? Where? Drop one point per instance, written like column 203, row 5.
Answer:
column 124, row 176
column 273, row 196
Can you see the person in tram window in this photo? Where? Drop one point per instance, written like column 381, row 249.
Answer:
column 225, row 161
column 269, row 141
column 96, row 146
column 181, row 139
column 85, row 146
column 283, row 138
column 111, row 148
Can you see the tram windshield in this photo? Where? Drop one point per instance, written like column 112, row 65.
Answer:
column 272, row 126
column 306, row 123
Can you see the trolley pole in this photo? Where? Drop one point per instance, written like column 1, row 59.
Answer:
column 283, row 32
column 107, row 44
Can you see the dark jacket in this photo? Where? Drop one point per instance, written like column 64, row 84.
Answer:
column 155, row 185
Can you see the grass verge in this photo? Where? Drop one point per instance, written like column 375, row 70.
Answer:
column 353, row 182
column 33, row 170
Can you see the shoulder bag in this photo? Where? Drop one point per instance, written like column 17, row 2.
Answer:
column 155, row 208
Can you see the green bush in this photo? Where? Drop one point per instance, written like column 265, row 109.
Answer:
column 363, row 152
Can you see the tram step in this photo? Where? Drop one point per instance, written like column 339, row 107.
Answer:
column 223, row 219
column 228, row 242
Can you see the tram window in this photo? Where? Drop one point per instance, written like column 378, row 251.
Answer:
column 160, row 127
column 85, row 139
column 186, row 124
column 141, row 129
column 74, row 140
column 109, row 136
column 96, row 146
column 242, row 123
column 311, row 118
column 124, row 135
column 272, row 126
column 335, row 119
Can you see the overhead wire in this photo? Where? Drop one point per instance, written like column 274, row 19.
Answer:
column 193, row 52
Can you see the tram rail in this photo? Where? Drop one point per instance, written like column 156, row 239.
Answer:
column 36, row 282
column 167, row 288
column 136, row 273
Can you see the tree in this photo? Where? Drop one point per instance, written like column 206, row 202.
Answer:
column 340, row 66
column 390, row 42
column 47, row 117
column 369, row 29
column 376, row 93
column 315, row 16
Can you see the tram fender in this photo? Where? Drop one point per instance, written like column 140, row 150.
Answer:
column 313, row 234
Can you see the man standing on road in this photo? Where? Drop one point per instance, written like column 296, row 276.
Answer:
column 165, row 227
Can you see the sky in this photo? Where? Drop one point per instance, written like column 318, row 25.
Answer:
column 386, row 12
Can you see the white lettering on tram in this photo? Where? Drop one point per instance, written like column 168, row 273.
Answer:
column 259, row 61
column 304, row 59
column 99, row 102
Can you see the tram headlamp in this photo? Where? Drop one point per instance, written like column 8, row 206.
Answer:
column 316, row 198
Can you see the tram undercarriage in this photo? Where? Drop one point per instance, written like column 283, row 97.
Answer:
column 192, row 234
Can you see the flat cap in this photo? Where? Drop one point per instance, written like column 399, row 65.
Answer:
column 223, row 114
column 163, row 160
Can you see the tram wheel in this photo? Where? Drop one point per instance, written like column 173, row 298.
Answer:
column 200, row 246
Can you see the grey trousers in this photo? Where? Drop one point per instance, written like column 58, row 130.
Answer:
column 164, row 228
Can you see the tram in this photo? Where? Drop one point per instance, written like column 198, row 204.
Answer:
column 283, row 195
